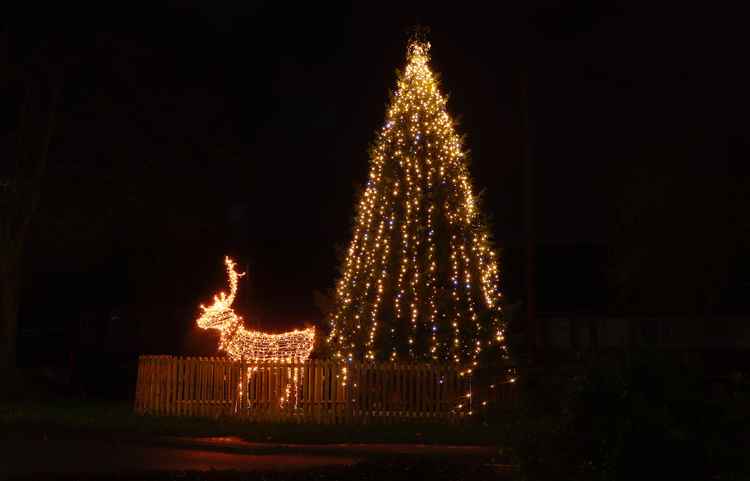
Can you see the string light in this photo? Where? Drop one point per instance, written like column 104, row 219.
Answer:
column 420, row 263
column 253, row 346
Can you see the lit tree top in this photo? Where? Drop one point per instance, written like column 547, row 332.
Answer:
column 420, row 278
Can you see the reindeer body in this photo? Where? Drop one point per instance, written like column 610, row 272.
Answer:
column 294, row 346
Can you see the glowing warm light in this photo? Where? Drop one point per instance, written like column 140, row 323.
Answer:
column 420, row 278
column 253, row 346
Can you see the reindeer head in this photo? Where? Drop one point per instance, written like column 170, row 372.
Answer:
column 220, row 314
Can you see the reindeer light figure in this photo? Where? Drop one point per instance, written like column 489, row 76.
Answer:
column 255, row 346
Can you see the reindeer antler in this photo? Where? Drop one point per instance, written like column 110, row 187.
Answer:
column 221, row 300
column 234, row 277
column 221, row 312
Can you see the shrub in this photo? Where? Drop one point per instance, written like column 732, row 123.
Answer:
column 626, row 418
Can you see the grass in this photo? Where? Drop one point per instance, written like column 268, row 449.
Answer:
column 102, row 418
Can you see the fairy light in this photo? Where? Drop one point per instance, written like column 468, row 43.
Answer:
column 253, row 346
column 420, row 266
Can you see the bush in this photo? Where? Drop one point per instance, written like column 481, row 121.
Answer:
column 615, row 419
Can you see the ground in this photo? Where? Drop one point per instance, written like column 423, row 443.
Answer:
column 106, row 441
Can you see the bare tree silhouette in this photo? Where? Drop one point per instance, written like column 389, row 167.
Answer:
column 25, row 147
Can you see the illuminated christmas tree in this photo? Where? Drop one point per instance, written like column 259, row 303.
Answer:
column 420, row 278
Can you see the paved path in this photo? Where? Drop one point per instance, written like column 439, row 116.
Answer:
column 236, row 444
column 61, row 456
column 31, row 456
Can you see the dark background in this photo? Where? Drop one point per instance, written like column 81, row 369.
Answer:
column 188, row 131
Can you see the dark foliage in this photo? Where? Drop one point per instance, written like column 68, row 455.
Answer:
column 642, row 416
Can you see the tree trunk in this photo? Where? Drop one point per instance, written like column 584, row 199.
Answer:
column 19, row 197
column 529, row 216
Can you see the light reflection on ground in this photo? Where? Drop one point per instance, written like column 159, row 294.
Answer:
column 87, row 456
column 339, row 448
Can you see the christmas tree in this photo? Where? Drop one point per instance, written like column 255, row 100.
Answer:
column 420, row 278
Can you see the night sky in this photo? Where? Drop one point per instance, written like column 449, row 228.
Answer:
column 186, row 132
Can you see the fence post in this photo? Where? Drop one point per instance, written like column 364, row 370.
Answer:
column 138, row 381
column 159, row 381
column 151, row 399
column 347, row 394
column 243, row 387
column 173, row 385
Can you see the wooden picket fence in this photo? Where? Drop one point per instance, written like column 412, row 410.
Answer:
column 313, row 392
